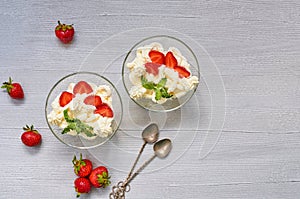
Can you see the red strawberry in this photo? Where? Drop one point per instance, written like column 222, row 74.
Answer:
column 82, row 185
column 31, row 137
column 82, row 87
column 82, row 167
column 93, row 100
column 157, row 57
column 64, row 32
column 104, row 110
column 183, row 72
column 99, row 177
column 170, row 60
column 65, row 98
column 14, row 89
column 152, row 68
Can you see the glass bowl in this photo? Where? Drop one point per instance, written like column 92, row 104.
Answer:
column 130, row 82
column 79, row 140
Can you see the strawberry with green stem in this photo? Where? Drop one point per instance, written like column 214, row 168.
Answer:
column 64, row 32
column 99, row 177
column 82, row 185
column 14, row 89
column 31, row 136
column 82, row 167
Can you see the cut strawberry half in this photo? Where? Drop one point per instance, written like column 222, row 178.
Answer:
column 183, row 72
column 157, row 57
column 93, row 100
column 170, row 60
column 82, row 87
column 152, row 68
column 104, row 110
column 65, row 98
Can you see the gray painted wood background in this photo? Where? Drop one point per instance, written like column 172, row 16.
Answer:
column 239, row 135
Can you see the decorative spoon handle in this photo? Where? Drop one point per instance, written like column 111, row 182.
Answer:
column 136, row 160
column 139, row 170
column 118, row 191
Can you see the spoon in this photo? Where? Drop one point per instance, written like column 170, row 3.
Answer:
column 149, row 135
column 161, row 149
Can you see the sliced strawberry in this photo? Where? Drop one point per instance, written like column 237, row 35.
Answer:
column 82, row 87
column 65, row 98
column 104, row 110
column 157, row 57
column 183, row 72
column 152, row 68
column 170, row 60
column 94, row 100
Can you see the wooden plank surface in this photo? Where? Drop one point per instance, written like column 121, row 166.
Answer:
column 237, row 141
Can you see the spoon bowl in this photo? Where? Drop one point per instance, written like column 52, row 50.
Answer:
column 162, row 148
column 150, row 133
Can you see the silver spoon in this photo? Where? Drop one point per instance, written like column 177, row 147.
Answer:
column 149, row 135
column 161, row 149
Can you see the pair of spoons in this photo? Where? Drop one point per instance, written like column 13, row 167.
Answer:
column 161, row 149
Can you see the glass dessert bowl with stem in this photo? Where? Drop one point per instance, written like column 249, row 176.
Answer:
column 160, row 73
column 83, row 110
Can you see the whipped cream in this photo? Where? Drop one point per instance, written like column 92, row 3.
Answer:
column 176, row 86
column 102, row 126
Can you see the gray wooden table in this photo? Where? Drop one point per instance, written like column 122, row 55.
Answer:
column 239, row 135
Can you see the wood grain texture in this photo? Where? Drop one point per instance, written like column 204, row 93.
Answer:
column 254, row 44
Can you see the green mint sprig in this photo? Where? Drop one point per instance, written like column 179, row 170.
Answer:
column 160, row 90
column 77, row 125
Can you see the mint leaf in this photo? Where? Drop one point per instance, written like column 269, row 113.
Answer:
column 146, row 84
column 164, row 93
column 82, row 127
column 68, row 128
column 77, row 125
column 160, row 90
column 157, row 94
column 162, row 82
column 67, row 117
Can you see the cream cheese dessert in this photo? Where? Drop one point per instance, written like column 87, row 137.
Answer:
column 83, row 109
column 160, row 74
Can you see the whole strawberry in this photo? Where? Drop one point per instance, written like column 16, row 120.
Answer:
column 82, row 167
column 99, row 177
column 31, row 137
column 15, row 90
column 64, row 32
column 82, row 185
